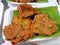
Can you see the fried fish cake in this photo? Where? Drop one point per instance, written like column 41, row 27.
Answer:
column 12, row 30
column 42, row 25
column 15, row 33
column 25, row 22
column 23, row 36
column 27, row 10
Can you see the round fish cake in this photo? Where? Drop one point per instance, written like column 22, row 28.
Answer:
column 11, row 31
column 25, row 22
column 42, row 25
column 15, row 33
column 27, row 10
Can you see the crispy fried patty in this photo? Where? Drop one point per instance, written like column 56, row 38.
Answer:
column 43, row 25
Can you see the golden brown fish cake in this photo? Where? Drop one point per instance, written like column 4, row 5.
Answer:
column 25, row 35
column 43, row 25
column 19, row 34
column 27, row 10
column 15, row 33
column 25, row 22
column 12, row 30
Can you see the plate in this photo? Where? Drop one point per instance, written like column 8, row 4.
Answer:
column 8, row 17
column 1, row 11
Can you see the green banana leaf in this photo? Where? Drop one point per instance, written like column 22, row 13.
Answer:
column 53, row 14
